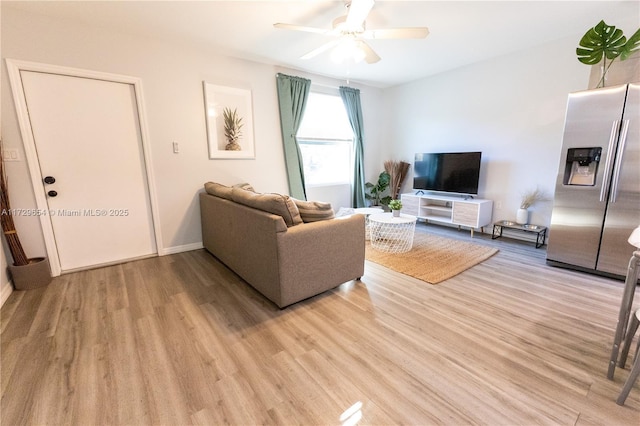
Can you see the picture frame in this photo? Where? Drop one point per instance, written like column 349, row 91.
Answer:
column 217, row 99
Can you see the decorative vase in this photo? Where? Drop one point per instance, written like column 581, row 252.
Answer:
column 32, row 275
column 522, row 216
column 620, row 72
column 396, row 213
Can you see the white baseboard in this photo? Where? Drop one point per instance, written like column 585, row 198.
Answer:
column 6, row 291
column 180, row 249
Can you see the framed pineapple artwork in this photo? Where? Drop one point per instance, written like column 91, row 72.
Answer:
column 229, row 116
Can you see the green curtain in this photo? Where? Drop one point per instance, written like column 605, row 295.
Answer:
column 292, row 99
column 351, row 99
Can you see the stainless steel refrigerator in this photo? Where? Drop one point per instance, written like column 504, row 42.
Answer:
column 597, row 197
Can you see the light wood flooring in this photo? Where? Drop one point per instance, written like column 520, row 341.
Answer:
column 182, row 340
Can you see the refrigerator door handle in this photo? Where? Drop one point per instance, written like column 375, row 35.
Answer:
column 616, row 170
column 607, row 168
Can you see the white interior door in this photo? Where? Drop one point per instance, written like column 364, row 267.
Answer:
column 87, row 137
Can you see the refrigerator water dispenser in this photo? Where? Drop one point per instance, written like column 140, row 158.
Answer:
column 582, row 166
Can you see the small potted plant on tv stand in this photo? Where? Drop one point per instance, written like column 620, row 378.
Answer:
column 26, row 273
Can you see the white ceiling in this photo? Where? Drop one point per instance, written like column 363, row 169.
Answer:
column 462, row 32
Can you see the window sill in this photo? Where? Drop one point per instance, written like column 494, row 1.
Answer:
column 326, row 185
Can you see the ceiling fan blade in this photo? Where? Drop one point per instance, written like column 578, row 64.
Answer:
column 417, row 32
column 315, row 52
column 301, row 28
column 358, row 12
column 370, row 56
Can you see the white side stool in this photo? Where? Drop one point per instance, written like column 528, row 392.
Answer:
column 367, row 211
column 392, row 234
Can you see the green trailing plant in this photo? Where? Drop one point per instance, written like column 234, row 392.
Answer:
column 395, row 205
column 606, row 42
column 375, row 192
column 232, row 128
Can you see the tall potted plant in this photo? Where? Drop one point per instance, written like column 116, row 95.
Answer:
column 26, row 273
column 397, row 171
column 376, row 191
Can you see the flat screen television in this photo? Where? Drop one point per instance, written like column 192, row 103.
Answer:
column 457, row 172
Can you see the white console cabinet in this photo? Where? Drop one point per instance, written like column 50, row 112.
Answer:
column 472, row 212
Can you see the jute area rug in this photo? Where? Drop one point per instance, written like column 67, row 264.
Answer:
column 432, row 259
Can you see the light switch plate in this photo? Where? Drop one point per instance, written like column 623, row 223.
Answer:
column 11, row 155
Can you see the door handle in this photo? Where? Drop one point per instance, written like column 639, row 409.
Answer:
column 52, row 194
column 616, row 171
column 49, row 180
column 607, row 168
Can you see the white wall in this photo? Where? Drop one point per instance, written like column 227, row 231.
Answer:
column 510, row 108
column 5, row 285
column 172, row 75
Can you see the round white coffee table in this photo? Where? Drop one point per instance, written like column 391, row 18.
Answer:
column 367, row 211
column 392, row 234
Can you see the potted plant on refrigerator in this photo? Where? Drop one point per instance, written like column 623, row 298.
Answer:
column 606, row 42
column 26, row 273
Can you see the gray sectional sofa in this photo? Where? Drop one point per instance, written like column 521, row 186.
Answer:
column 264, row 240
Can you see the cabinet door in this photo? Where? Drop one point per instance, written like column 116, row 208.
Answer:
column 410, row 204
column 465, row 214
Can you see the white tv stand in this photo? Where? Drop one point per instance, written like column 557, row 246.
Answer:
column 449, row 209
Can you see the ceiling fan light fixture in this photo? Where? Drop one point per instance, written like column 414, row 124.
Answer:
column 348, row 50
column 350, row 33
column 339, row 24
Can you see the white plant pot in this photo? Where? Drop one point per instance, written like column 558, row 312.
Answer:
column 522, row 216
column 396, row 213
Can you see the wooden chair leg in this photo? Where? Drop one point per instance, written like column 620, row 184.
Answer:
column 633, row 327
column 633, row 376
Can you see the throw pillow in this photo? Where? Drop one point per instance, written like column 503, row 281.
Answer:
column 245, row 186
column 218, row 190
column 282, row 205
column 314, row 211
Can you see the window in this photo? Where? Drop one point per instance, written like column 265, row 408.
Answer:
column 326, row 141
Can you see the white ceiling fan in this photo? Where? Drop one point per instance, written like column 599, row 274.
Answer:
column 350, row 32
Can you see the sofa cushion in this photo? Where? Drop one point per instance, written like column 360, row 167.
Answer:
column 218, row 190
column 282, row 205
column 245, row 186
column 314, row 211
